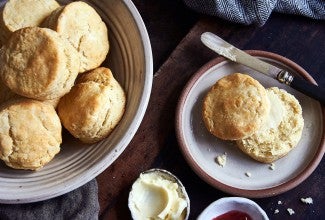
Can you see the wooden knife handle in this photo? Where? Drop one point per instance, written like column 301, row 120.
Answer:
column 309, row 89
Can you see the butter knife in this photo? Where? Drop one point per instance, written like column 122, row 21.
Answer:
column 230, row 52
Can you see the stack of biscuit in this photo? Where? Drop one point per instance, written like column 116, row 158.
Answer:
column 266, row 124
column 50, row 74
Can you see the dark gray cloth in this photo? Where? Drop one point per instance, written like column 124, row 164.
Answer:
column 257, row 11
column 81, row 203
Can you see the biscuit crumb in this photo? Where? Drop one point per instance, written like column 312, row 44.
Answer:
column 272, row 166
column 222, row 159
column 308, row 200
column 279, row 202
column 248, row 174
column 276, row 211
column 290, row 210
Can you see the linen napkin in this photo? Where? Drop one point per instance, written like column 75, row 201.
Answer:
column 257, row 11
column 81, row 203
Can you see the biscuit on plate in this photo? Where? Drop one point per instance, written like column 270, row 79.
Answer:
column 37, row 63
column 17, row 14
column 84, row 28
column 30, row 134
column 281, row 132
column 93, row 107
column 235, row 107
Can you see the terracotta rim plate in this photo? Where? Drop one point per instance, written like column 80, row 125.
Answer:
column 130, row 59
column 200, row 148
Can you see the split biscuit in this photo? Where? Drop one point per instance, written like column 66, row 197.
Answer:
column 37, row 63
column 84, row 28
column 280, row 134
column 93, row 107
column 17, row 14
column 235, row 107
column 30, row 134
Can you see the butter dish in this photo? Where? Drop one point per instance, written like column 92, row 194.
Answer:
column 158, row 194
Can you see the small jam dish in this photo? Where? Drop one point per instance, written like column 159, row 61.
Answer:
column 158, row 194
column 233, row 208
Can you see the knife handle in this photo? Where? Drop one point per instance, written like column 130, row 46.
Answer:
column 303, row 86
column 309, row 89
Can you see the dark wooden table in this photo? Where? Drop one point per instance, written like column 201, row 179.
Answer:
column 177, row 55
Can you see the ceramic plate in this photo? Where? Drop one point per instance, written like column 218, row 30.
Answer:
column 200, row 148
column 130, row 59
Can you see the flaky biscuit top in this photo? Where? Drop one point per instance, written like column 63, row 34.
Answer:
column 235, row 107
column 38, row 63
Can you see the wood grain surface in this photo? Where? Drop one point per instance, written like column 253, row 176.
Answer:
column 155, row 145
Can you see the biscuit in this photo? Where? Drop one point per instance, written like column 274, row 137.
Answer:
column 30, row 134
column 235, row 107
column 283, row 132
column 5, row 93
column 37, row 63
column 93, row 107
column 53, row 102
column 17, row 14
column 84, row 28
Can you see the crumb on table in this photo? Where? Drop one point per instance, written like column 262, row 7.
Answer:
column 307, row 200
column 290, row 211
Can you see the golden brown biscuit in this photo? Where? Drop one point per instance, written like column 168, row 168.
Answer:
column 93, row 107
column 30, row 134
column 84, row 28
column 18, row 14
column 235, row 107
column 281, row 134
column 53, row 102
column 5, row 93
column 37, row 63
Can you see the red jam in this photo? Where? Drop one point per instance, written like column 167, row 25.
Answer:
column 233, row 215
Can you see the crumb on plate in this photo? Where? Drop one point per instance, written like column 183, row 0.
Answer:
column 272, row 166
column 222, row 159
column 248, row 174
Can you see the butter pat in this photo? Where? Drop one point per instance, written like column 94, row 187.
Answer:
column 276, row 114
column 158, row 194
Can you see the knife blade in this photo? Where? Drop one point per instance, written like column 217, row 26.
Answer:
column 232, row 53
